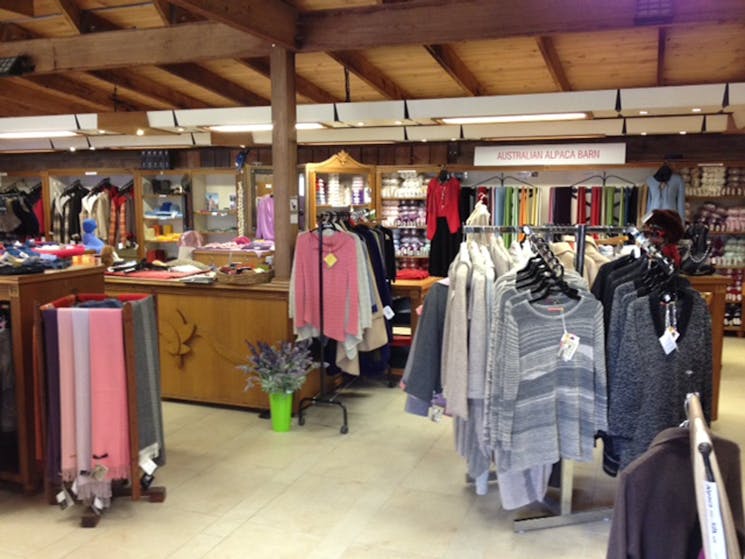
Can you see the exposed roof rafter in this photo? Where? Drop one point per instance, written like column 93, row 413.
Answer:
column 661, row 46
column 304, row 87
column 553, row 62
column 372, row 76
column 71, row 12
column 206, row 79
column 20, row 7
column 148, row 88
column 275, row 22
column 449, row 61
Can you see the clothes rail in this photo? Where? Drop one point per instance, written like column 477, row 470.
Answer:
column 328, row 221
column 502, row 180
column 715, row 516
column 603, row 179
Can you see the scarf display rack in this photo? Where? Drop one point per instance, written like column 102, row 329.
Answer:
column 142, row 461
column 326, row 222
column 718, row 531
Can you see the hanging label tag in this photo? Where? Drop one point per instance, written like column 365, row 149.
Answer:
column 99, row 472
column 97, row 505
column 152, row 451
column 388, row 312
column 667, row 341
column 64, row 499
column 330, row 260
column 74, row 487
column 148, row 466
column 674, row 333
column 717, row 544
column 436, row 413
column 568, row 346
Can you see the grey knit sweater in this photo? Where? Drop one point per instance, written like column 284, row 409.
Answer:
column 648, row 388
column 545, row 408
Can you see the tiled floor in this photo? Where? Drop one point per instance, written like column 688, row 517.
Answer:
column 392, row 488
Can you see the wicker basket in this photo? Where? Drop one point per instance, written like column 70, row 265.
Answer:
column 246, row 278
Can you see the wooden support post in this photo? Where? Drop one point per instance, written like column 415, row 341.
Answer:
column 284, row 158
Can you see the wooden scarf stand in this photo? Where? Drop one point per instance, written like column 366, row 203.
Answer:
column 134, row 489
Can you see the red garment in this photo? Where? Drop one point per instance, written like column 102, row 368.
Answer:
column 596, row 205
column 443, row 200
column 67, row 252
column 38, row 210
column 581, row 205
column 341, row 294
column 411, row 274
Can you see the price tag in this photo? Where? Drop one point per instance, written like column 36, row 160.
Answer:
column 667, row 341
column 674, row 333
column 715, row 532
column 64, row 499
column 74, row 487
column 436, row 413
column 568, row 346
column 148, row 466
column 388, row 312
column 330, row 259
column 99, row 472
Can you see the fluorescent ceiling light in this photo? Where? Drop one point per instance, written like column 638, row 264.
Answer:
column 514, row 118
column 263, row 127
column 30, row 135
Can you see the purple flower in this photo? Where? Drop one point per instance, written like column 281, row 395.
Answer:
column 279, row 368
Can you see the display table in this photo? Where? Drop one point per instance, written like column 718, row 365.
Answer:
column 203, row 333
column 216, row 257
column 416, row 291
column 25, row 294
column 714, row 289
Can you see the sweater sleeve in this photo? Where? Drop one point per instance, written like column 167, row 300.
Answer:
column 431, row 210
column 454, row 347
column 453, row 209
column 601, row 386
column 509, row 378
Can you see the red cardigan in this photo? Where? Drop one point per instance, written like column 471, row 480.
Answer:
column 439, row 205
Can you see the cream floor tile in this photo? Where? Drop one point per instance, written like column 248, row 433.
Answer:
column 65, row 545
column 375, row 552
column 263, row 542
column 438, row 471
column 196, row 547
column 416, row 521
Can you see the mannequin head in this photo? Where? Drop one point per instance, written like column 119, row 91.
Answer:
column 89, row 236
column 663, row 174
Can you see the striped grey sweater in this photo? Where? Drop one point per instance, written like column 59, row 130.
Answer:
column 544, row 408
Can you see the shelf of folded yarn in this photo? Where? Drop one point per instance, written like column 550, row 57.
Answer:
column 421, row 257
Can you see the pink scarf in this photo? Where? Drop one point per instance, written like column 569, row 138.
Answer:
column 67, row 394
column 110, row 425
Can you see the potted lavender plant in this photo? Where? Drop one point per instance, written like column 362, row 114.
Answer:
column 281, row 369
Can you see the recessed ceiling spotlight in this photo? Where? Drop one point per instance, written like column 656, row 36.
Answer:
column 644, row 133
column 453, row 139
column 424, row 139
column 398, row 122
column 72, row 148
column 92, row 148
column 360, row 123
column 140, row 132
column 643, row 113
column 180, row 129
column 243, row 146
column 696, row 110
column 682, row 132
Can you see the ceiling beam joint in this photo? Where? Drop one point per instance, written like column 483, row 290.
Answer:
column 553, row 62
column 449, row 61
column 372, row 76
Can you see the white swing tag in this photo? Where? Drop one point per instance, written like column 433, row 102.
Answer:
column 717, row 544
column 667, row 341
column 568, row 346
column 388, row 312
column 148, row 466
column 436, row 413
column 64, row 499
column 674, row 333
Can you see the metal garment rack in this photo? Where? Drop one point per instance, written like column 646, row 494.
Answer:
column 323, row 398
column 705, row 473
column 560, row 507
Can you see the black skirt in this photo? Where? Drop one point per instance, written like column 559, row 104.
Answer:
column 443, row 248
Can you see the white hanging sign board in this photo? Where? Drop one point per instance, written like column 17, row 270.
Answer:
column 550, row 154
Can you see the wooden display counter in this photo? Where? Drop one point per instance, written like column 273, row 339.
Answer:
column 24, row 294
column 714, row 289
column 203, row 333
column 416, row 291
column 216, row 257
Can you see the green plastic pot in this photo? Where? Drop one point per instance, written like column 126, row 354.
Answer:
column 280, row 409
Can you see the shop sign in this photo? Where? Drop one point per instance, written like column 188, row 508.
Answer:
column 550, row 154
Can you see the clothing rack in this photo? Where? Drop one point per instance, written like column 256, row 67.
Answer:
column 718, row 532
column 327, row 222
column 138, row 487
column 603, row 179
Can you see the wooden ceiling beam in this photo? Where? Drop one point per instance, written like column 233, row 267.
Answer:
column 46, row 102
column 275, row 22
column 19, row 7
column 70, row 11
column 13, row 32
column 76, row 91
column 210, row 81
column 148, row 88
column 372, row 76
column 419, row 21
column 661, row 46
column 553, row 62
column 130, row 47
column 304, row 87
column 449, row 61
